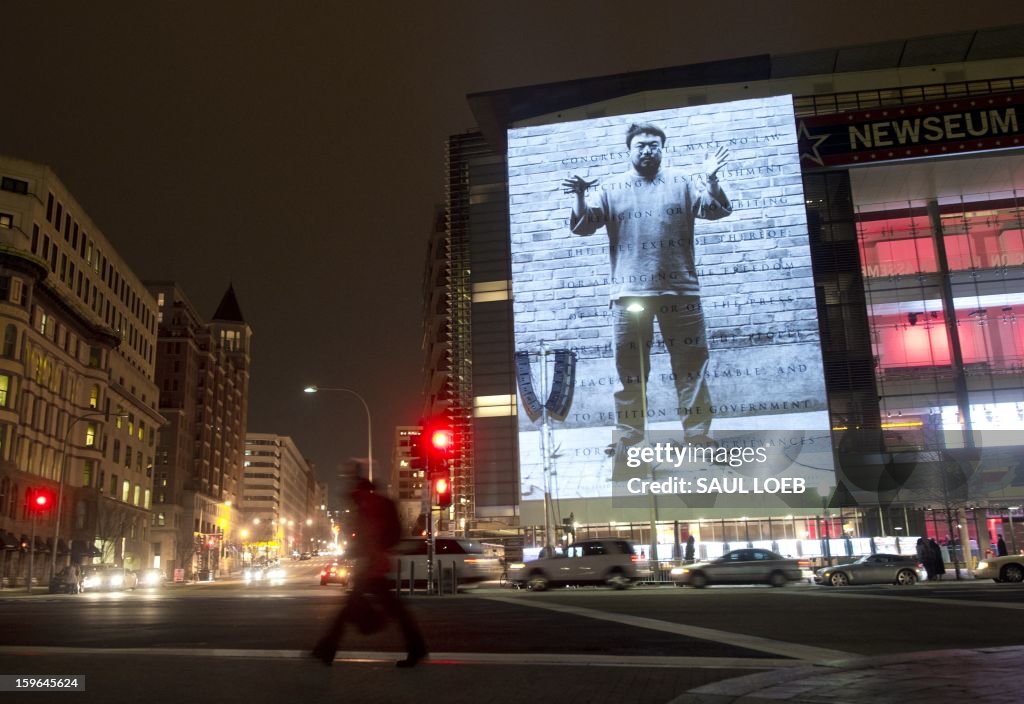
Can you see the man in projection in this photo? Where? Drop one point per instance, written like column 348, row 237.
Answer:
column 649, row 214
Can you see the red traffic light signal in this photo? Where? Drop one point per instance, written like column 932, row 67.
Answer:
column 441, row 439
column 437, row 443
column 443, row 490
column 40, row 500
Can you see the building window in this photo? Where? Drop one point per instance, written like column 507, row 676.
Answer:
column 6, row 220
column 113, row 485
column 494, row 406
column 94, row 396
column 14, row 185
column 90, row 435
column 126, row 487
column 117, row 450
column 137, row 496
column 45, row 324
column 88, row 469
column 10, row 346
column 5, row 386
column 146, row 499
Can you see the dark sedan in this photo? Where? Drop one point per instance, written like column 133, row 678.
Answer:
column 336, row 573
column 746, row 566
column 873, row 569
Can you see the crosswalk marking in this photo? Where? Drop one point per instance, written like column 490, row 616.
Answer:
column 740, row 640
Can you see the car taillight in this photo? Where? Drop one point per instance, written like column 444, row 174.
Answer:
column 804, row 564
column 323, row 573
column 634, row 558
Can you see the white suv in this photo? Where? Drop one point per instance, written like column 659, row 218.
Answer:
column 471, row 562
column 604, row 561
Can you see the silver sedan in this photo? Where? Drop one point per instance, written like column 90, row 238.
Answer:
column 747, row 566
column 873, row 569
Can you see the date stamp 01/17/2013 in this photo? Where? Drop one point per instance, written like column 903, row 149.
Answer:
column 42, row 683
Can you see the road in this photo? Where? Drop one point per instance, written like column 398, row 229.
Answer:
column 201, row 642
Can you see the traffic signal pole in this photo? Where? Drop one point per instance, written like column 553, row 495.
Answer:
column 429, row 464
column 32, row 551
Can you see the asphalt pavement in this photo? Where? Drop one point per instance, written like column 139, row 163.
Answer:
column 722, row 669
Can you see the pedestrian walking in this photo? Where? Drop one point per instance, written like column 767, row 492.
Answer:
column 938, row 565
column 1001, row 546
column 925, row 557
column 372, row 601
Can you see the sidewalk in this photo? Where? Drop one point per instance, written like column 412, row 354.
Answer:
column 983, row 676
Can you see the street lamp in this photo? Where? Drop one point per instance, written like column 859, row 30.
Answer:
column 369, row 421
column 63, row 472
column 636, row 309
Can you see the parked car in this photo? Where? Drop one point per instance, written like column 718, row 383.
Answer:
column 150, row 578
column 744, row 566
column 108, row 578
column 601, row 561
column 67, row 581
column 1008, row 568
column 472, row 563
column 335, row 573
column 882, row 568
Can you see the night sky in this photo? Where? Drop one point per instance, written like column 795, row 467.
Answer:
column 296, row 150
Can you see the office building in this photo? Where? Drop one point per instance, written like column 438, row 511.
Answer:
column 203, row 375
column 78, row 396
column 901, row 190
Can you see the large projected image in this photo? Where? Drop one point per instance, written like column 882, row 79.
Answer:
column 668, row 252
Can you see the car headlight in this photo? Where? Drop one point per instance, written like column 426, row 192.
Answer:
column 676, row 571
column 983, row 565
column 517, row 566
column 116, row 580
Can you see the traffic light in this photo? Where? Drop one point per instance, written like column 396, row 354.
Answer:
column 436, row 443
column 443, row 489
column 441, row 440
column 40, row 500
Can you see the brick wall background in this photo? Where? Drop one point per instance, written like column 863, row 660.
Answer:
column 754, row 266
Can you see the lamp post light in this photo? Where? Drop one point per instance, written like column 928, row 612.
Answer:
column 636, row 309
column 312, row 389
column 63, row 474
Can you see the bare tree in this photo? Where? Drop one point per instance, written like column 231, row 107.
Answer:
column 113, row 523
